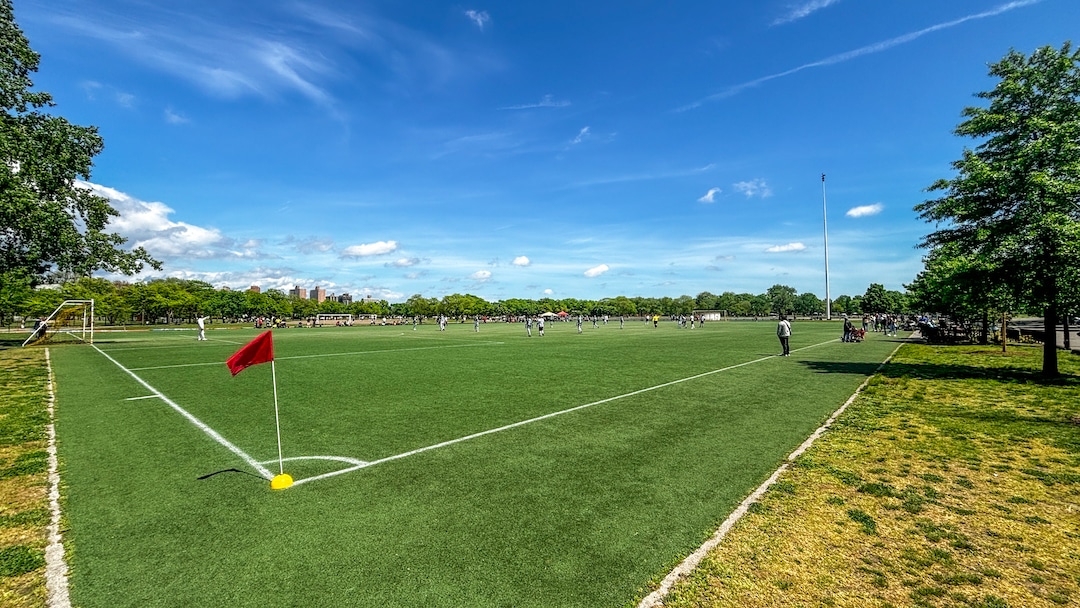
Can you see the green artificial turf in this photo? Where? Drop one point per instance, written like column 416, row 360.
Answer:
column 580, row 509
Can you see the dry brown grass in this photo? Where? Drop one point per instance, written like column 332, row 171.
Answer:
column 954, row 480
column 23, row 479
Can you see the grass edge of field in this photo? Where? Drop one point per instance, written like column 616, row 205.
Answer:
column 888, row 512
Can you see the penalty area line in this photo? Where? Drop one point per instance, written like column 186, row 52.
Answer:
column 191, row 418
column 544, row 417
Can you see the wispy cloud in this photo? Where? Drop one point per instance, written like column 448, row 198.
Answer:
column 547, row 101
column 584, row 133
column 877, row 47
column 369, row 249
column 754, row 187
column 403, row 263
column 480, row 18
column 864, row 210
column 175, row 118
column 596, row 271
column 709, row 196
column 786, row 248
column 803, row 9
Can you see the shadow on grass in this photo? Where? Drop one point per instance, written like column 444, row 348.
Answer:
column 954, row 371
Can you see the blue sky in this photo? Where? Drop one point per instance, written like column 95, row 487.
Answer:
column 556, row 149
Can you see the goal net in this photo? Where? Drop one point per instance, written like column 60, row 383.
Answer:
column 333, row 319
column 711, row 315
column 72, row 321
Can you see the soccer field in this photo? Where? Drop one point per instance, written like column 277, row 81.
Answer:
column 432, row 468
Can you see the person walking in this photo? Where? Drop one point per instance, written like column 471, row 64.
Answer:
column 201, row 322
column 783, row 331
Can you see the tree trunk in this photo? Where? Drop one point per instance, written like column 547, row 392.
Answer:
column 1050, row 366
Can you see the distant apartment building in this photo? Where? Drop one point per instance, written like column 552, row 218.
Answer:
column 255, row 289
column 318, row 294
column 298, row 292
column 345, row 299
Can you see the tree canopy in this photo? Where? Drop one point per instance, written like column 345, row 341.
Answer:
column 47, row 221
column 1014, row 203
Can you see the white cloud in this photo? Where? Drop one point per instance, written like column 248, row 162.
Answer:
column 876, row 47
column 521, row 261
column 547, row 101
column 369, row 249
column 174, row 118
column 804, row 9
column 548, row 292
column 478, row 17
column 709, row 196
column 581, row 135
column 864, row 210
column 785, row 248
column 597, row 271
column 754, row 187
column 147, row 224
column 403, row 262
column 480, row 275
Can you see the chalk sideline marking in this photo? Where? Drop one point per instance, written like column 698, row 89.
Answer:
column 355, row 352
column 191, row 418
column 656, row 598
column 544, row 417
column 56, row 572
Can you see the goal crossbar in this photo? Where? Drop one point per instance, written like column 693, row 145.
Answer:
column 77, row 323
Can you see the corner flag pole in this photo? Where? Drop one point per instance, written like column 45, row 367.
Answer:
column 277, row 420
column 825, row 224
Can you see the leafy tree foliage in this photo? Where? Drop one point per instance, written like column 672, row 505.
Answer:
column 46, row 220
column 1014, row 203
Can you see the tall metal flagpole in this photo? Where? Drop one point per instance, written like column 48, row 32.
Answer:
column 825, row 224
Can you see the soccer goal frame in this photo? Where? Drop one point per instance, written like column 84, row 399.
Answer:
column 711, row 315
column 333, row 317
column 73, row 317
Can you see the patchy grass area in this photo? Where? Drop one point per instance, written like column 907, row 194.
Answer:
column 954, row 480
column 24, row 512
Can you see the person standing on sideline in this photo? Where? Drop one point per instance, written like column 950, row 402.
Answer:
column 783, row 331
column 201, row 322
column 622, row 319
column 476, row 324
column 579, row 324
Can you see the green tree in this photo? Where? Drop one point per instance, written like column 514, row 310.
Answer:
column 49, row 222
column 807, row 304
column 1015, row 200
column 781, row 298
column 875, row 300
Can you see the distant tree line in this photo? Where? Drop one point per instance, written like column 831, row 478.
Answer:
column 180, row 300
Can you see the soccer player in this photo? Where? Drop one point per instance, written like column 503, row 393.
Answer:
column 476, row 324
column 540, row 326
column 201, row 322
column 783, row 331
column 528, row 326
column 579, row 324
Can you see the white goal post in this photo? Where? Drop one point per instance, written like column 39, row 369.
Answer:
column 333, row 318
column 72, row 319
column 711, row 315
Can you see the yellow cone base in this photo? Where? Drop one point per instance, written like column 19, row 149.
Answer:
column 281, row 482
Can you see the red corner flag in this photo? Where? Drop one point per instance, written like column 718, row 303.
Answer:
column 259, row 350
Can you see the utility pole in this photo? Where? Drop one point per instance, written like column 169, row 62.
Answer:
column 825, row 224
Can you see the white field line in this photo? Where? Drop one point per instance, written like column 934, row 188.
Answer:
column 140, row 398
column 656, row 598
column 56, row 573
column 346, row 354
column 198, row 423
column 544, row 417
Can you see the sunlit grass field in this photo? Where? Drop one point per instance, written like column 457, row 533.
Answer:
column 433, row 468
